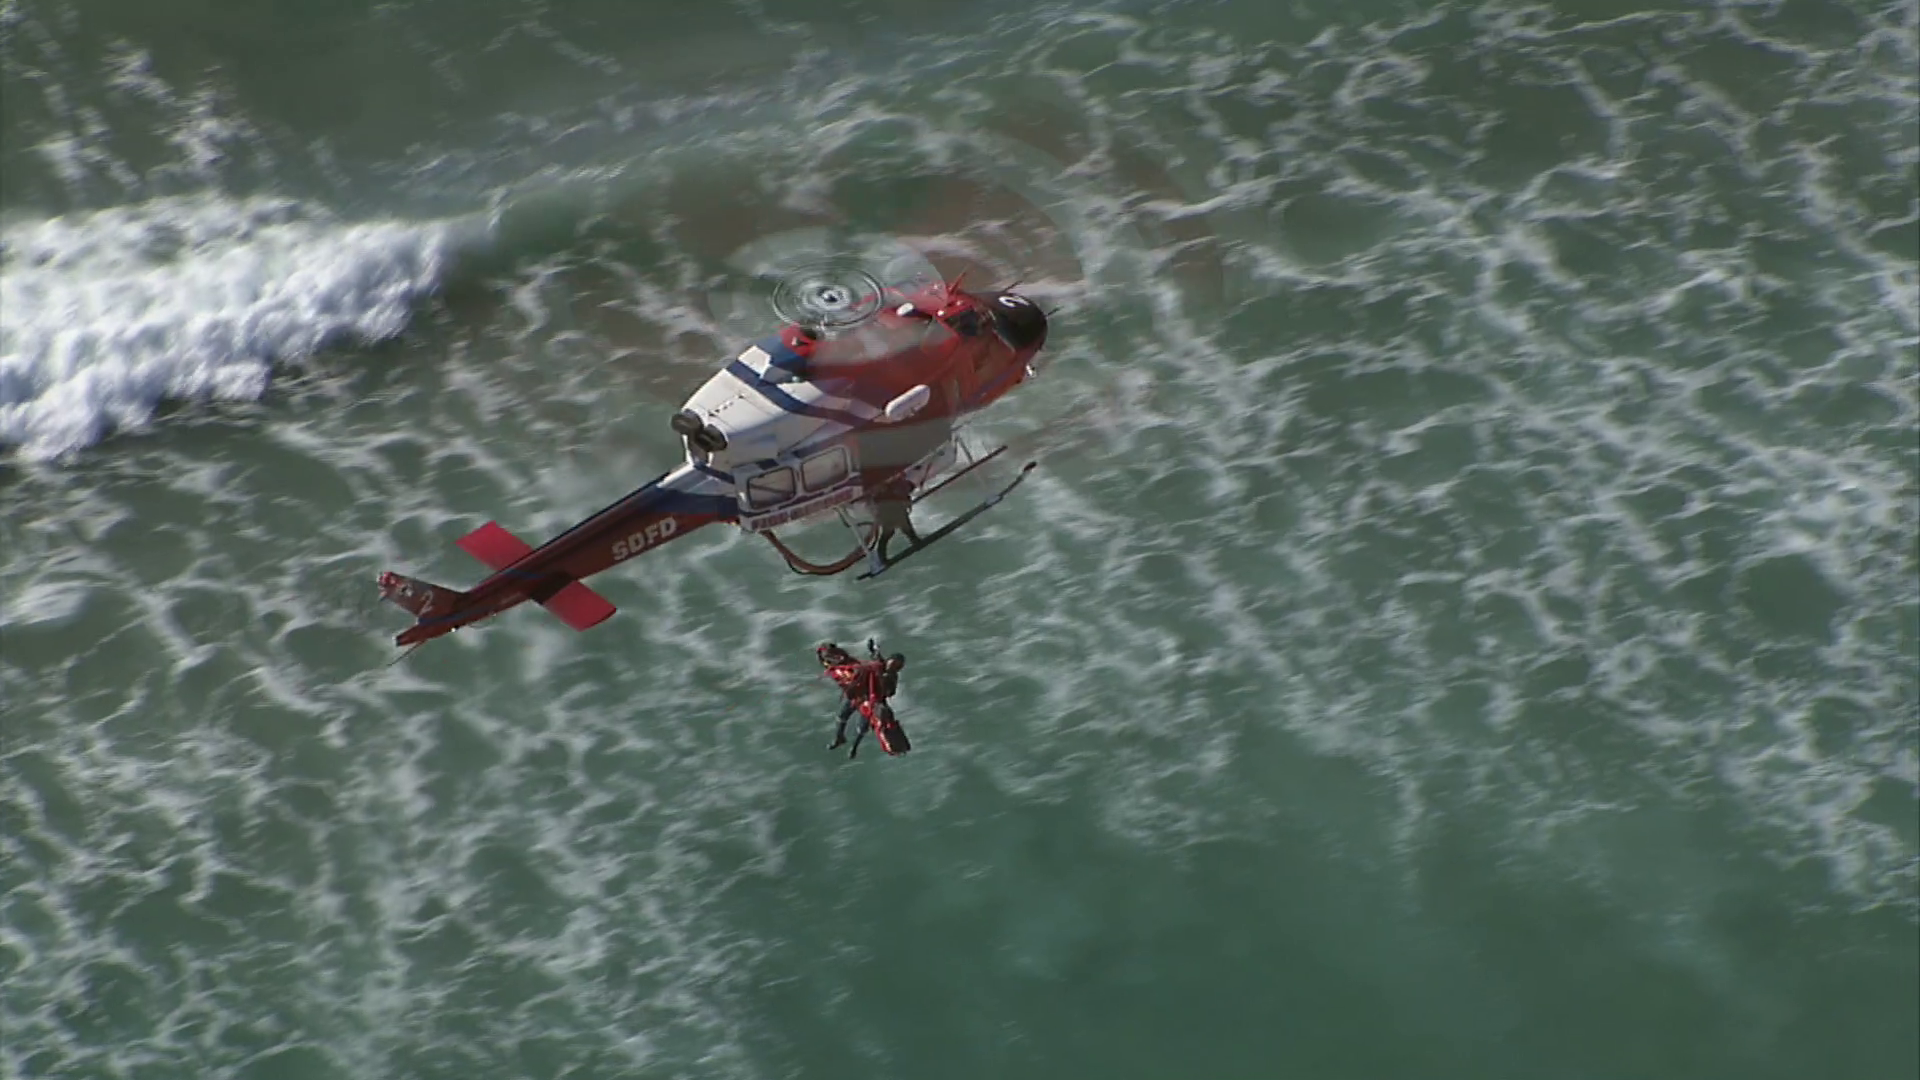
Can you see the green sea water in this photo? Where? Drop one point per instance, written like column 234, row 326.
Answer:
column 1465, row 622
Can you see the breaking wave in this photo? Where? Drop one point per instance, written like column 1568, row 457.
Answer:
column 105, row 315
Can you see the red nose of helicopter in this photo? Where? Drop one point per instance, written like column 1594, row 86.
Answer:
column 1017, row 321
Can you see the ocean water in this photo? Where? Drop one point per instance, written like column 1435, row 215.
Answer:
column 1465, row 622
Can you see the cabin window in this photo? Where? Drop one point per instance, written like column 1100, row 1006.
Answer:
column 825, row 469
column 770, row 488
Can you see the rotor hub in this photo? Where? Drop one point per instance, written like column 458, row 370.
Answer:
column 829, row 295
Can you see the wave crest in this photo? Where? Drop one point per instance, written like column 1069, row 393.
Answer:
column 105, row 315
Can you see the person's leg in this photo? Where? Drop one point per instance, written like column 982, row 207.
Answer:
column 899, row 518
column 840, row 729
column 857, row 736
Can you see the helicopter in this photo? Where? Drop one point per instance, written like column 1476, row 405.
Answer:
column 856, row 416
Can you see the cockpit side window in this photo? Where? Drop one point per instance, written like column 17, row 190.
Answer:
column 770, row 488
column 823, row 470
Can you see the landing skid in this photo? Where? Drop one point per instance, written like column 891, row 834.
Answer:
column 950, row 527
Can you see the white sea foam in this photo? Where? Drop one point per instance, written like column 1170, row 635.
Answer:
column 105, row 315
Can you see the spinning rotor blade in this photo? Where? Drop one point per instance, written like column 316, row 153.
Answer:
column 812, row 277
column 981, row 221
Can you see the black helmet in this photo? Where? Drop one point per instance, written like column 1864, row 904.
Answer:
column 897, row 661
column 1017, row 320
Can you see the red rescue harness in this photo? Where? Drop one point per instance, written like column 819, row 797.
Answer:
column 866, row 684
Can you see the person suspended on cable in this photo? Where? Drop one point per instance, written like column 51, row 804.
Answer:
column 870, row 683
column 851, row 675
column 885, row 683
column 893, row 738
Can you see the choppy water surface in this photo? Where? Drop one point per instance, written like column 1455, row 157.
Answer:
column 1465, row 622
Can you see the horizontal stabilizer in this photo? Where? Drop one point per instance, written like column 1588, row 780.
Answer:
column 575, row 604
column 494, row 546
column 579, row 606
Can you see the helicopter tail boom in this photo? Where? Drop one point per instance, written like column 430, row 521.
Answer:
column 574, row 604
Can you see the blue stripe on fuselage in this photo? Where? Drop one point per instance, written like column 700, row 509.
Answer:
column 779, row 355
column 786, row 402
column 782, row 357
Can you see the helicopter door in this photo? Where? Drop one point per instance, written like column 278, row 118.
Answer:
column 826, row 470
column 781, row 493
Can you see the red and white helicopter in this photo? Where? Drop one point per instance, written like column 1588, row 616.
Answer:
column 854, row 418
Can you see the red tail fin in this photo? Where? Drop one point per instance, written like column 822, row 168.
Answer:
column 421, row 599
column 575, row 604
